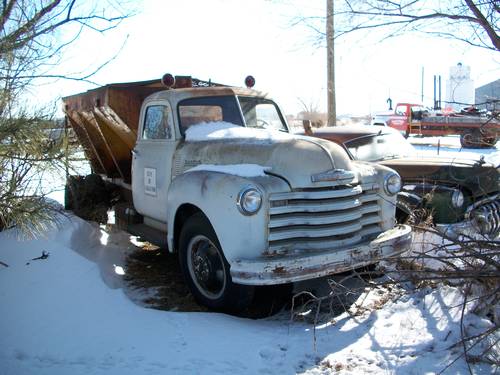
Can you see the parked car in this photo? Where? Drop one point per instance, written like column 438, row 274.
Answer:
column 460, row 196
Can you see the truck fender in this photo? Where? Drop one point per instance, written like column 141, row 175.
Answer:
column 215, row 194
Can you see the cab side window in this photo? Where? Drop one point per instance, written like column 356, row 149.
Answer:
column 401, row 110
column 156, row 123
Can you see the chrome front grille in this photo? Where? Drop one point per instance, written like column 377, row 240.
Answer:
column 322, row 218
column 485, row 216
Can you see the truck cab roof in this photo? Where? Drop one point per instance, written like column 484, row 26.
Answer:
column 176, row 95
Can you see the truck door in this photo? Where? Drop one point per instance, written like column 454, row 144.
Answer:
column 401, row 119
column 152, row 160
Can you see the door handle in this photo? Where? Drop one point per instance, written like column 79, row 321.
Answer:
column 135, row 152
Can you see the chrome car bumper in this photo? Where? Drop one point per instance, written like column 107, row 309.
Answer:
column 304, row 266
column 482, row 220
column 467, row 228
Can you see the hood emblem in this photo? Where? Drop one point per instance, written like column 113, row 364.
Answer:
column 333, row 175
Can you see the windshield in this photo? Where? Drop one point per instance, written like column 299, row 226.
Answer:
column 378, row 147
column 261, row 113
column 194, row 111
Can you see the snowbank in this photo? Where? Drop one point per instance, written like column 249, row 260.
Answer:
column 68, row 314
column 449, row 146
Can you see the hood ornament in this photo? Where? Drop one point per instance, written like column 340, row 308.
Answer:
column 340, row 175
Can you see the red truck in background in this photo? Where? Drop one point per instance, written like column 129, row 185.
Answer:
column 475, row 130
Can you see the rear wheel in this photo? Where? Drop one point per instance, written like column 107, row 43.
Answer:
column 206, row 270
column 468, row 140
column 474, row 139
column 89, row 197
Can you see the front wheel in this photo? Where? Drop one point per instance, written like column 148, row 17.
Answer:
column 206, row 270
column 489, row 141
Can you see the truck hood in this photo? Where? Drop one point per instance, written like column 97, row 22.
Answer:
column 479, row 178
column 294, row 158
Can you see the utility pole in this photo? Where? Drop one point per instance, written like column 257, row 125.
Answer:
column 422, row 87
column 330, row 55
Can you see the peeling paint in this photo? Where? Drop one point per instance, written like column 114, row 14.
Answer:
column 280, row 270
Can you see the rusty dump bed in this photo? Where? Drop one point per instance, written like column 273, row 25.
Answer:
column 105, row 121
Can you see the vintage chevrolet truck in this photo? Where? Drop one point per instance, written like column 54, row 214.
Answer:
column 214, row 170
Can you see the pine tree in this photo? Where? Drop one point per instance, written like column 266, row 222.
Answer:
column 30, row 50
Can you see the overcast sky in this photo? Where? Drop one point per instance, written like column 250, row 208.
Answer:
column 225, row 40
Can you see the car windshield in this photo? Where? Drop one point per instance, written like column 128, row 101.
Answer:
column 261, row 113
column 379, row 146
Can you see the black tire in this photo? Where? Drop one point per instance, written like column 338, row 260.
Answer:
column 206, row 270
column 70, row 191
column 475, row 139
column 466, row 140
column 89, row 197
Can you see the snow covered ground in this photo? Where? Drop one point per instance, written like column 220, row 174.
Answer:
column 69, row 314
column 449, row 146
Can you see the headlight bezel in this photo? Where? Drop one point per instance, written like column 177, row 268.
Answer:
column 388, row 182
column 245, row 198
column 457, row 199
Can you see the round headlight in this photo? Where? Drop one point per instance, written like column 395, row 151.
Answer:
column 457, row 199
column 392, row 183
column 249, row 201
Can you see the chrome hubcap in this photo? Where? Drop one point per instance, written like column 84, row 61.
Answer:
column 206, row 267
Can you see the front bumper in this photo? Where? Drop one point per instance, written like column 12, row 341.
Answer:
column 482, row 221
column 465, row 228
column 304, row 266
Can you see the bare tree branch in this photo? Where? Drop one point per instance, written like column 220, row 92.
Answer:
column 481, row 19
column 473, row 22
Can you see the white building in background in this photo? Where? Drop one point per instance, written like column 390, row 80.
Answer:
column 459, row 88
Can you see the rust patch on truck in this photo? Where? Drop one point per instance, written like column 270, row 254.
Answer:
column 280, row 270
column 289, row 273
column 294, row 271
